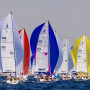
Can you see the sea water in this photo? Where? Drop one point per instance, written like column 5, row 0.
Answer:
column 59, row 85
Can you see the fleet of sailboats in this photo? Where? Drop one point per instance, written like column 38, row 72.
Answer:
column 50, row 56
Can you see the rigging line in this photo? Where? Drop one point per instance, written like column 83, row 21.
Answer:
column 8, row 57
column 6, row 42
column 7, row 28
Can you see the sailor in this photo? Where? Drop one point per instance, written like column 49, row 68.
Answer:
column 41, row 76
column 24, row 77
column 9, row 77
column 20, row 76
column 11, row 80
column 47, row 78
column 53, row 76
column 15, row 79
column 58, row 76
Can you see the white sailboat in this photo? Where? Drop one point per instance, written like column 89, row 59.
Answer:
column 44, row 49
column 10, row 47
column 80, row 55
column 67, row 64
column 26, row 47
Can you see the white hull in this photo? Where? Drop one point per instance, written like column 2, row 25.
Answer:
column 13, row 82
column 84, row 79
column 66, row 78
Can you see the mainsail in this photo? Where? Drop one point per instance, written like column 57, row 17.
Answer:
column 80, row 53
column 64, row 66
column 7, row 46
column 26, row 47
column 67, row 64
column 44, row 48
column 82, row 56
column 11, row 49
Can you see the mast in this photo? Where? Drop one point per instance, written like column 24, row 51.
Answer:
column 86, row 54
column 14, row 47
column 30, row 68
column 67, row 55
column 48, row 48
column 23, row 49
column 55, row 67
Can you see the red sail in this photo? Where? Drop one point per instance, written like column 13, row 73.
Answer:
column 26, row 52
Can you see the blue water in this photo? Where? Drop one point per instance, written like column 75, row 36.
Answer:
column 60, row 85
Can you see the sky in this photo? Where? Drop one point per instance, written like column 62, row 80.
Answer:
column 70, row 18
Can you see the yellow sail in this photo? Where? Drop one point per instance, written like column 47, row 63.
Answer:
column 75, row 50
column 88, row 53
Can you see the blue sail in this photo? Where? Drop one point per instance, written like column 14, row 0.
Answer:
column 1, row 26
column 53, row 49
column 18, row 49
column 34, row 40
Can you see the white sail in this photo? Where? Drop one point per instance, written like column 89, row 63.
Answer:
column 7, row 46
column 42, row 50
column 22, row 42
column 60, row 59
column 22, row 38
column 33, row 67
column 64, row 66
column 82, row 56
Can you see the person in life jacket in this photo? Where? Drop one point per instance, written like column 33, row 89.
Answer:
column 41, row 76
column 9, row 77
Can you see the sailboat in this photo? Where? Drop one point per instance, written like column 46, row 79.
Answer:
column 26, row 48
column 44, row 49
column 80, row 54
column 11, row 51
column 67, row 65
